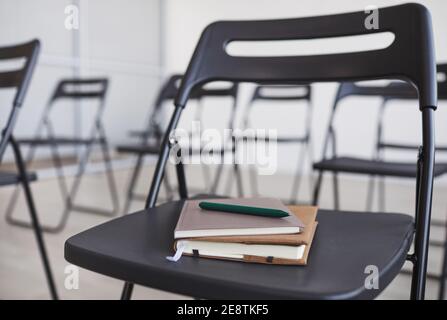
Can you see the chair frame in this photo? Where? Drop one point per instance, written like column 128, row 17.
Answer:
column 413, row 35
column 97, row 136
column 20, row 79
column 382, row 145
column 304, row 141
column 155, row 132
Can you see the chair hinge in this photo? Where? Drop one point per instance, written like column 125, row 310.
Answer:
column 412, row 258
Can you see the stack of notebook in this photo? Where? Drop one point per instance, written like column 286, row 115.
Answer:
column 269, row 232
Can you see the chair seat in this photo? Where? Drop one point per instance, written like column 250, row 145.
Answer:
column 374, row 167
column 10, row 178
column 139, row 148
column 58, row 141
column 153, row 149
column 133, row 248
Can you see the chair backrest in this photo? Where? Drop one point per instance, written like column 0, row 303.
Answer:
column 282, row 92
column 81, row 89
column 18, row 79
column 395, row 90
column 279, row 93
column 392, row 90
column 400, row 60
column 409, row 57
column 170, row 90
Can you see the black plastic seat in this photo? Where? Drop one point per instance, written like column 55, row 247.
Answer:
column 134, row 247
column 10, row 178
column 139, row 148
column 58, row 141
column 374, row 167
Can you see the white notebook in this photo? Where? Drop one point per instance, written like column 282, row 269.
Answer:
column 239, row 250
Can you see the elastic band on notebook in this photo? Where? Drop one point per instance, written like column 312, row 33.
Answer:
column 178, row 253
column 195, row 253
column 269, row 259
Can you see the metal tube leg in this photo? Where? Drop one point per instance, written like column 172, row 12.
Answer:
column 317, row 188
column 370, row 193
column 237, row 173
column 336, row 191
column 126, row 294
column 168, row 187
column 217, row 178
column 382, row 194
column 78, row 177
column 35, row 221
column 443, row 278
column 132, row 183
column 254, row 181
column 110, row 175
column 298, row 175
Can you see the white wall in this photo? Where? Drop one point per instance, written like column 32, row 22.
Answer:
column 356, row 120
column 116, row 39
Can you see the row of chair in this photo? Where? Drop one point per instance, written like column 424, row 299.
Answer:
column 116, row 248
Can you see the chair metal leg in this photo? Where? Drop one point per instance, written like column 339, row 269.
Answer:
column 336, row 191
column 254, row 181
column 382, row 194
column 132, row 184
column 317, row 187
column 110, row 175
column 298, row 175
column 238, row 176
column 126, row 294
column 370, row 193
column 218, row 174
column 63, row 187
column 443, row 277
column 217, row 178
column 34, row 219
column 168, row 187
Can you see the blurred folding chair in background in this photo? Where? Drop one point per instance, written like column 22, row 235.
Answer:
column 19, row 79
column 150, row 139
column 290, row 93
column 378, row 167
column 46, row 136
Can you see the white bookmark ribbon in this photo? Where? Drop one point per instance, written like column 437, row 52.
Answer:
column 181, row 246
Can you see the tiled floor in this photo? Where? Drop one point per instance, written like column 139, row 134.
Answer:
column 21, row 274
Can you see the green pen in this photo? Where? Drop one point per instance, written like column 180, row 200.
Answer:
column 239, row 209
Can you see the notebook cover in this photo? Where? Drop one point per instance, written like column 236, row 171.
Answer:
column 306, row 214
column 192, row 217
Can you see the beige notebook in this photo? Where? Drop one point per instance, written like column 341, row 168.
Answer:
column 196, row 222
column 290, row 249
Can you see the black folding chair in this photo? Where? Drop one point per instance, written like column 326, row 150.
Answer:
column 151, row 137
column 382, row 145
column 73, row 89
column 19, row 79
column 377, row 167
column 283, row 93
column 133, row 247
